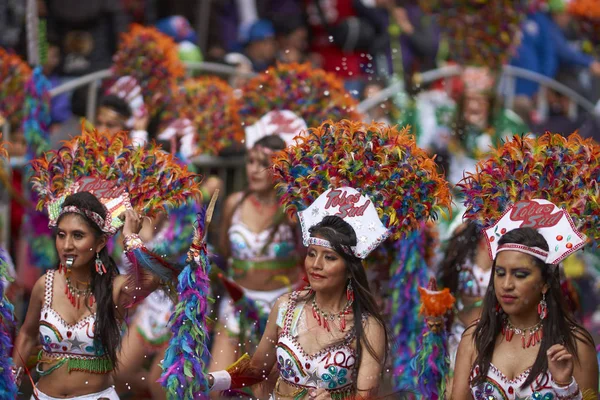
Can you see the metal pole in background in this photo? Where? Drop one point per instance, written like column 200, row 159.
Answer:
column 202, row 24
column 33, row 40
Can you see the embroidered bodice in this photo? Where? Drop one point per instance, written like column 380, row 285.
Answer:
column 498, row 387
column 473, row 281
column 333, row 368
column 60, row 339
column 247, row 245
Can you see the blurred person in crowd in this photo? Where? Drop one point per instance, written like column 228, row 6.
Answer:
column 60, row 106
column 88, row 31
column 260, row 45
column 12, row 18
column 112, row 114
column 381, row 112
column 292, row 38
column 229, row 18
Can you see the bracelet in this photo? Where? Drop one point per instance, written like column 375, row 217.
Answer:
column 221, row 381
column 132, row 242
column 17, row 373
column 568, row 392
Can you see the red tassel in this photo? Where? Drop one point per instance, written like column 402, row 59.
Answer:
column 325, row 324
column 343, row 323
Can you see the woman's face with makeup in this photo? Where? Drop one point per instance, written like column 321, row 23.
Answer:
column 518, row 283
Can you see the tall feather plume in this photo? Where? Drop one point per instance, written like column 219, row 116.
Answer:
column 153, row 178
column 479, row 32
column 565, row 171
column 384, row 163
column 185, row 359
column 151, row 58
column 14, row 74
column 8, row 388
column 210, row 104
column 313, row 94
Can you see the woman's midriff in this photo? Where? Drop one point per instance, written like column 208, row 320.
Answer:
column 61, row 383
column 263, row 279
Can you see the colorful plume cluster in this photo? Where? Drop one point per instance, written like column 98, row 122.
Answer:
column 151, row 58
column 564, row 171
column 432, row 362
column 8, row 388
column 153, row 178
column 479, row 32
column 14, row 74
column 312, row 94
column 589, row 9
column 36, row 124
column 209, row 103
column 184, row 364
column 383, row 163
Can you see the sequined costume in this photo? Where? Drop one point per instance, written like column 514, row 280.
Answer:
column 262, row 251
column 333, row 368
column 498, row 387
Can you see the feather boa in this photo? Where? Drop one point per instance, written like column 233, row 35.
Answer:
column 408, row 272
column 36, row 123
column 383, row 163
column 565, row 171
column 8, row 388
column 432, row 364
column 184, row 363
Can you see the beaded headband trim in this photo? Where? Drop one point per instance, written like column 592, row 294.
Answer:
column 103, row 224
column 327, row 244
column 532, row 251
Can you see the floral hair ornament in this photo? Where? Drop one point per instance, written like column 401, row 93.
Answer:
column 554, row 224
column 128, row 89
column 283, row 123
column 354, row 208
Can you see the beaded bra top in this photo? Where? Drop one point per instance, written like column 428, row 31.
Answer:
column 66, row 342
column 333, row 368
column 498, row 387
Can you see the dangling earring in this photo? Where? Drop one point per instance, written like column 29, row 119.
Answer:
column 349, row 292
column 61, row 268
column 100, row 269
column 499, row 309
column 543, row 307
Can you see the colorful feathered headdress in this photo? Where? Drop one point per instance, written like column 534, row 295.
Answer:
column 382, row 163
column 479, row 32
column 589, row 9
column 119, row 173
column 552, row 168
column 210, row 104
column 312, row 94
column 150, row 57
column 14, row 74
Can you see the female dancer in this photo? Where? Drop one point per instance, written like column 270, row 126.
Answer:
column 85, row 192
column 555, row 354
column 79, row 343
column 262, row 247
column 465, row 270
column 329, row 341
column 527, row 344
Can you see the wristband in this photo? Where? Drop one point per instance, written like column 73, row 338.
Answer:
column 222, row 381
column 570, row 392
column 132, row 242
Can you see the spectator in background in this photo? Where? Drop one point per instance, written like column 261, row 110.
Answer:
column 536, row 52
column 113, row 114
column 60, row 106
column 381, row 112
column 292, row 38
column 12, row 22
column 88, row 31
column 260, row 46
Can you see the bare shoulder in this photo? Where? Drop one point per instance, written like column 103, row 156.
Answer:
column 232, row 201
column 39, row 288
column 584, row 341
